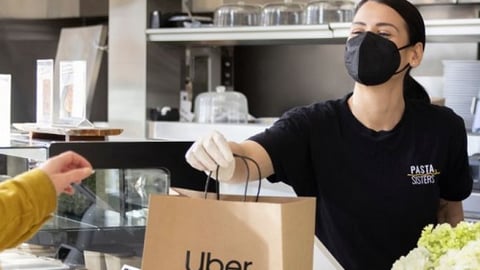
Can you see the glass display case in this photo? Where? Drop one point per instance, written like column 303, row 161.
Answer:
column 108, row 211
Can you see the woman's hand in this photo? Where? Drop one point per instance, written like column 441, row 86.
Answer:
column 65, row 169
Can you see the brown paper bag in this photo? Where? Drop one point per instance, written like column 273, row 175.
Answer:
column 190, row 232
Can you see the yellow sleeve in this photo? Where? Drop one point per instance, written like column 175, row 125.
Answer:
column 26, row 202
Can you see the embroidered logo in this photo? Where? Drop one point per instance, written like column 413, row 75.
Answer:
column 423, row 174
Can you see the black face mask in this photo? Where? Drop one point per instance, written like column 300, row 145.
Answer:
column 371, row 59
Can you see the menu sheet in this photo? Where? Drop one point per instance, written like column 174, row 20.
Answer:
column 72, row 91
column 45, row 91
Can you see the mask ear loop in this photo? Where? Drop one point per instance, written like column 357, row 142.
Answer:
column 404, row 47
column 401, row 70
column 408, row 64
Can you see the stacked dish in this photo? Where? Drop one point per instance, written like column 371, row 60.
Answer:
column 461, row 87
column 239, row 14
column 284, row 12
column 320, row 12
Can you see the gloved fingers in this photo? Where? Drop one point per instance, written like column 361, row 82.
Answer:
column 209, row 152
column 198, row 158
column 218, row 149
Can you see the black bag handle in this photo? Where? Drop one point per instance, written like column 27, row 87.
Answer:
column 217, row 184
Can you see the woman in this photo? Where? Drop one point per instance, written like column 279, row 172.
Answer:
column 382, row 161
column 29, row 199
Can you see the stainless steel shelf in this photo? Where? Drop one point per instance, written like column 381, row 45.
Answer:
column 243, row 35
column 451, row 30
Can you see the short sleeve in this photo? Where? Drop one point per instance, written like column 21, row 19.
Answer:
column 457, row 184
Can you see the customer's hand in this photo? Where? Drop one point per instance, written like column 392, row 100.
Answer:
column 65, row 169
column 209, row 152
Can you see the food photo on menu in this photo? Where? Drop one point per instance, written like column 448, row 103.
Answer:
column 72, row 90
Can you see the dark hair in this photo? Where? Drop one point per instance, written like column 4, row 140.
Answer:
column 416, row 33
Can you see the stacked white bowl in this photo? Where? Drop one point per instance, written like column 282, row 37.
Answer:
column 461, row 86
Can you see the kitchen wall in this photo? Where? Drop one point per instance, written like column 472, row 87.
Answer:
column 22, row 42
column 275, row 78
column 141, row 74
column 29, row 30
column 263, row 73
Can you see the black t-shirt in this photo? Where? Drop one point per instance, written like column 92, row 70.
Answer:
column 375, row 190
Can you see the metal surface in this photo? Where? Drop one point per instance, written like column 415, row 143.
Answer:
column 127, row 67
column 458, row 30
column 141, row 75
column 205, row 68
column 238, row 34
column 471, row 205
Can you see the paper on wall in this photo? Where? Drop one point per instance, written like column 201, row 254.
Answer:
column 45, row 91
column 72, row 91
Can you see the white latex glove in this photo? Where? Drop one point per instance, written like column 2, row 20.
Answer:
column 208, row 152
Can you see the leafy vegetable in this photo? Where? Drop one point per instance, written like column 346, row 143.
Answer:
column 444, row 247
